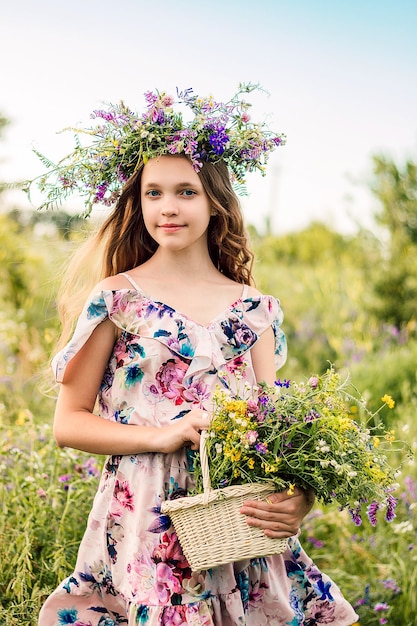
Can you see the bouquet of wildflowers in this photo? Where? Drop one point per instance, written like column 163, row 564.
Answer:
column 302, row 434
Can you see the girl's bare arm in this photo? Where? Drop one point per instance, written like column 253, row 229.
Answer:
column 76, row 426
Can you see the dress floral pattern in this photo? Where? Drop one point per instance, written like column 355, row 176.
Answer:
column 130, row 568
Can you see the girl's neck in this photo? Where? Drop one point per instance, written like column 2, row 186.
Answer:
column 190, row 264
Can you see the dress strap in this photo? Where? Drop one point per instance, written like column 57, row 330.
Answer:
column 244, row 292
column 130, row 279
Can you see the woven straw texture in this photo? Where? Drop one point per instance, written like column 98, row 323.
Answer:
column 211, row 529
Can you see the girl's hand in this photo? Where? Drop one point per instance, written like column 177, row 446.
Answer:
column 182, row 432
column 282, row 515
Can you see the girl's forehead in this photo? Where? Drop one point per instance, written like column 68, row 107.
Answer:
column 169, row 168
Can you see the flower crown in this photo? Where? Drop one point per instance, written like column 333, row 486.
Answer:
column 123, row 139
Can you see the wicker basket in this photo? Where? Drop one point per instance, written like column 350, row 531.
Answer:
column 210, row 528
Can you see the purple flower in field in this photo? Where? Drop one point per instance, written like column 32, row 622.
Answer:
column 261, row 448
column 381, row 606
column 372, row 511
column 390, row 583
column 90, row 466
column 317, row 543
column 64, row 478
column 391, row 504
column 365, row 599
column 355, row 515
column 41, row 493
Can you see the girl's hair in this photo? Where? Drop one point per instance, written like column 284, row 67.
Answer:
column 122, row 242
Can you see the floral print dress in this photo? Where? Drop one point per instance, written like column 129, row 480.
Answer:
column 130, row 568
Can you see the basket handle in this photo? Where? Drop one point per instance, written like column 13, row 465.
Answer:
column 205, row 466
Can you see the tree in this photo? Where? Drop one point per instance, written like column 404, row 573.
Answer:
column 395, row 286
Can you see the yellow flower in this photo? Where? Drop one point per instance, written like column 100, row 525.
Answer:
column 388, row 401
column 251, row 463
column 390, row 436
column 291, row 488
column 235, row 455
column 376, row 442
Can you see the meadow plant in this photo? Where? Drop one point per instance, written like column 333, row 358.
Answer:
column 46, row 495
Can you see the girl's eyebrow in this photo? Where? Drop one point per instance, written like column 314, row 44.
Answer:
column 153, row 185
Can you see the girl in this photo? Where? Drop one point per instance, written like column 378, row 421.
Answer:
column 145, row 355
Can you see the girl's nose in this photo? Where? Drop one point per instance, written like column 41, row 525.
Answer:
column 170, row 206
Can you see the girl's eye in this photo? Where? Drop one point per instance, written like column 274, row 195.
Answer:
column 188, row 192
column 152, row 193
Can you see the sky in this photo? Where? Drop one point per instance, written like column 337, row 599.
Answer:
column 341, row 78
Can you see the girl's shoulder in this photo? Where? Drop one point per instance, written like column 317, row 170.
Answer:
column 252, row 292
column 113, row 283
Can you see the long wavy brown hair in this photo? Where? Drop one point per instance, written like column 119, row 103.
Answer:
column 122, row 242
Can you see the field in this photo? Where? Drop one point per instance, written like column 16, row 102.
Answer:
column 327, row 284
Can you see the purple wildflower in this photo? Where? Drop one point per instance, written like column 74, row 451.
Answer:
column 218, row 140
column 317, row 543
column 355, row 515
column 390, row 583
column 150, row 98
column 101, row 191
column 312, row 416
column 104, row 115
column 381, row 606
column 121, row 174
column 284, row 383
column 391, row 504
column 186, row 94
column 372, row 511
column 64, row 478
column 90, row 466
column 366, row 598
column 261, row 448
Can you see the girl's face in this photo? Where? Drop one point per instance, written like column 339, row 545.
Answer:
column 175, row 207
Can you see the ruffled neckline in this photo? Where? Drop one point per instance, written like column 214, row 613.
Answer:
column 224, row 314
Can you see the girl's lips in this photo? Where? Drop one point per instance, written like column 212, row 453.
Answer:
column 171, row 227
